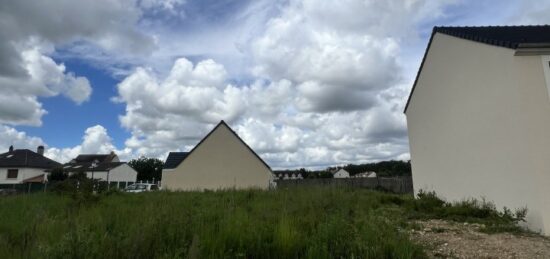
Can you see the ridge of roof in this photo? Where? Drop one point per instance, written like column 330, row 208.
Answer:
column 516, row 37
column 222, row 122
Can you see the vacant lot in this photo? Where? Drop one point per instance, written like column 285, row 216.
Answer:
column 305, row 223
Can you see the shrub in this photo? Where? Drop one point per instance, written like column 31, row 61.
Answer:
column 427, row 202
column 428, row 205
column 57, row 175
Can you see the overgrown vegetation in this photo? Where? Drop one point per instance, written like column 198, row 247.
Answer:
column 313, row 222
column 429, row 206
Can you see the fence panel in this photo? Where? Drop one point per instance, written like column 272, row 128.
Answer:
column 394, row 184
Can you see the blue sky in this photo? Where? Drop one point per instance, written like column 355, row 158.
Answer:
column 305, row 83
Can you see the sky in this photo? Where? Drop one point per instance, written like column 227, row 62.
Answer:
column 305, row 83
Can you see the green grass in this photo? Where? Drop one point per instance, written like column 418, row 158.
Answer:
column 312, row 222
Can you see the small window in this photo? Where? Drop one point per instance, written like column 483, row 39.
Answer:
column 12, row 173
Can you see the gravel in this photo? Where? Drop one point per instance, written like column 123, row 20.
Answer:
column 444, row 239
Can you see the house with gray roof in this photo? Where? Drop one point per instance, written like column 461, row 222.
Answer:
column 19, row 166
column 221, row 160
column 104, row 167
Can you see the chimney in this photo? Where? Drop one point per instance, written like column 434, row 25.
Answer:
column 40, row 150
column 11, row 148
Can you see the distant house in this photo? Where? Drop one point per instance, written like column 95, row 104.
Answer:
column 220, row 160
column 365, row 175
column 478, row 118
column 105, row 167
column 288, row 176
column 21, row 166
column 341, row 174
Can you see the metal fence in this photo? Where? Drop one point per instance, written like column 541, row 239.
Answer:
column 393, row 184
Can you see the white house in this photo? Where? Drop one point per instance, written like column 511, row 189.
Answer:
column 105, row 167
column 18, row 166
column 220, row 160
column 479, row 117
column 365, row 175
column 341, row 174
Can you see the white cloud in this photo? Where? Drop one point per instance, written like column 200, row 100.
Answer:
column 19, row 140
column 326, row 84
column 339, row 54
column 45, row 79
column 95, row 141
column 175, row 112
column 30, row 32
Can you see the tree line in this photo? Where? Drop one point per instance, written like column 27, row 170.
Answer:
column 390, row 168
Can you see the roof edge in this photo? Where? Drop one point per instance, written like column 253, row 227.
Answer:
column 222, row 122
column 434, row 30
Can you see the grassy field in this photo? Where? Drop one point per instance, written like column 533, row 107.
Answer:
column 294, row 223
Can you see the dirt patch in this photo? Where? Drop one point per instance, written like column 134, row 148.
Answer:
column 445, row 239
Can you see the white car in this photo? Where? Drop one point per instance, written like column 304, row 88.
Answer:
column 142, row 187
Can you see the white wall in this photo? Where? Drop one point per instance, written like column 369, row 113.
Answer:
column 479, row 126
column 341, row 174
column 121, row 173
column 24, row 173
column 220, row 162
column 100, row 175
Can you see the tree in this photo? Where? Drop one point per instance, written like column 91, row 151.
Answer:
column 57, row 175
column 148, row 169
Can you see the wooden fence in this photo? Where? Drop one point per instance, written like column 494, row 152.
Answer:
column 394, row 184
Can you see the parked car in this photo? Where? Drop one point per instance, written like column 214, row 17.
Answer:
column 142, row 187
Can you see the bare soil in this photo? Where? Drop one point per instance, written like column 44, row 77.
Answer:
column 444, row 239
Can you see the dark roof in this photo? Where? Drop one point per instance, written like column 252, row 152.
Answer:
column 234, row 133
column 504, row 36
column 512, row 37
column 26, row 158
column 87, row 166
column 174, row 159
column 88, row 158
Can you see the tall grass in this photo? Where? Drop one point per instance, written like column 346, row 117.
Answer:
column 305, row 223
column 313, row 222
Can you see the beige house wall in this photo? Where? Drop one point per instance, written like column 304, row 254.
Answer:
column 479, row 126
column 123, row 173
column 221, row 161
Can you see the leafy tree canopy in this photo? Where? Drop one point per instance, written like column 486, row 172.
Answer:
column 148, row 169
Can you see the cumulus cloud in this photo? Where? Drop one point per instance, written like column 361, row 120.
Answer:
column 45, row 78
column 328, row 88
column 338, row 53
column 326, row 83
column 19, row 140
column 96, row 140
column 173, row 113
column 31, row 30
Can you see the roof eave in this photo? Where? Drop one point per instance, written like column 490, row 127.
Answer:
column 533, row 49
